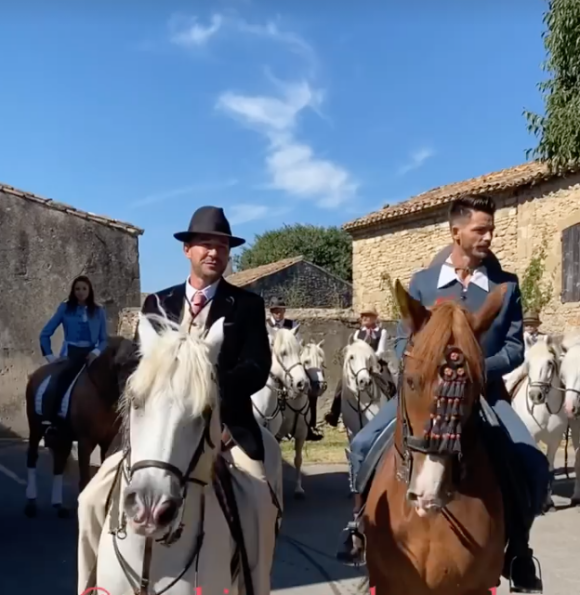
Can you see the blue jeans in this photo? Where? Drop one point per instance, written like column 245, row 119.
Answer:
column 533, row 460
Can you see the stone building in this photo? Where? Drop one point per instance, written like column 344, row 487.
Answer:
column 43, row 246
column 533, row 204
column 301, row 283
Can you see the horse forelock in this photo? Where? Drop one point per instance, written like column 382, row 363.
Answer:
column 285, row 340
column 177, row 367
column 449, row 324
column 313, row 351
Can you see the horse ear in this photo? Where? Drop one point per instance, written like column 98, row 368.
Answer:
column 320, row 344
column 214, row 339
column 147, row 334
column 294, row 331
column 484, row 317
column 413, row 313
column 527, row 341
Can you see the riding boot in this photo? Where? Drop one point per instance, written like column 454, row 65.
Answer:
column 520, row 567
column 351, row 550
column 333, row 415
column 313, row 434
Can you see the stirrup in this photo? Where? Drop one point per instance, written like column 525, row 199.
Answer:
column 356, row 556
column 514, row 589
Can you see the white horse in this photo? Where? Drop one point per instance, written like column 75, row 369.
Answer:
column 282, row 405
column 366, row 385
column 570, row 374
column 167, row 532
column 540, row 397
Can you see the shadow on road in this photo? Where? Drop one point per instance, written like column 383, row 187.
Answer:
column 311, row 528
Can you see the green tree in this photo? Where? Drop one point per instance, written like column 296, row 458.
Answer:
column 535, row 292
column 327, row 247
column 559, row 129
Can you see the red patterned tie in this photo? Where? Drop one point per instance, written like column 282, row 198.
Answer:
column 199, row 301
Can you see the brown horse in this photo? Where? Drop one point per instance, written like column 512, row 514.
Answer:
column 92, row 418
column 434, row 518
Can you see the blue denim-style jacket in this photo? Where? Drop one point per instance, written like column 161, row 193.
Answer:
column 71, row 322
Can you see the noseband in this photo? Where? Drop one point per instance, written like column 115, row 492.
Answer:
column 442, row 433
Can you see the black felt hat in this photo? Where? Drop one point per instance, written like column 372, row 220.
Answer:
column 209, row 221
column 276, row 302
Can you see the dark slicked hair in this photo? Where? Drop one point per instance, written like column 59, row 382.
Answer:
column 462, row 208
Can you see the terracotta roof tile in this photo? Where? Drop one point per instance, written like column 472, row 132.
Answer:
column 498, row 181
column 64, row 208
column 248, row 276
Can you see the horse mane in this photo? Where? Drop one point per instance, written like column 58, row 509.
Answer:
column 359, row 345
column 449, row 324
column 571, row 339
column 285, row 339
column 178, row 364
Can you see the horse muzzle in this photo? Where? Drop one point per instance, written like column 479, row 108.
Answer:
column 537, row 395
column 150, row 513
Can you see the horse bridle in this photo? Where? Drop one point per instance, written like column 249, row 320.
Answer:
column 359, row 409
column 443, row 432
column 141, row 587
column 545, row 387
column 282, row 392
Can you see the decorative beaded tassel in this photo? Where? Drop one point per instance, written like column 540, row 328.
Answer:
column 443, row 431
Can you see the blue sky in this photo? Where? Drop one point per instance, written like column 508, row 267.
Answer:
column 279, row 111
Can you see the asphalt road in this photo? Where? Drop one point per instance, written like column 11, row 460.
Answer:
column 39, row 555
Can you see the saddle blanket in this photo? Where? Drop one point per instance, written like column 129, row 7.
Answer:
column 65, row 401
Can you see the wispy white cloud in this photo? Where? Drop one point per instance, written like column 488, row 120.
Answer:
column 416, row 160
column 291, row 164
column 183, row 191
column 189, row 32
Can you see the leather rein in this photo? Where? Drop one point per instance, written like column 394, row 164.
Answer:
column 140, row 585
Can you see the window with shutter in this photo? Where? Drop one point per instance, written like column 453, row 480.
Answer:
column 571, row 264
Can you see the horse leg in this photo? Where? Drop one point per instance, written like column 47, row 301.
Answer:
column 60, row 456
column 298, row 446
column 85, row 451
column 575, row 432
column 551, row 456
column 35, row 436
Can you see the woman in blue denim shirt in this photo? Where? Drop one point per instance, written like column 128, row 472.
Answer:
column 85, row 337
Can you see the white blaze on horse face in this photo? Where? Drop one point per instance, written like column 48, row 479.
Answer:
column 426, row 484
column 169, row 391
column 570, row 374
column 286, row 363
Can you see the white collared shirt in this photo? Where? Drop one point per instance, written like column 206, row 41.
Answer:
column 449, row 275
column 208, row 291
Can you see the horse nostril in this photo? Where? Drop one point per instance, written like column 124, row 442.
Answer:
column 133, row 507
column 166, row 512
column 411, row 496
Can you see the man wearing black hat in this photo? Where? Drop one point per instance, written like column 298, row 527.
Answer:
column 243, row 369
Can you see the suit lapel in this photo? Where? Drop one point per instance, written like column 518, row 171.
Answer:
column 174, row 301
column 221, row 304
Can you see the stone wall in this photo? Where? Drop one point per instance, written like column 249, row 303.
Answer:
column 304, row 285
column 333, row 325
column 403, row 247
column 41, row 250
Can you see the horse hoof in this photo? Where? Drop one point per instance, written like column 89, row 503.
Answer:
column 299, row 495
column 62, row 512
column 30, row 509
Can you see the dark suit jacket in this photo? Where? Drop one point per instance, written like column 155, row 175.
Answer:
column 245, row 359
column 503, row 343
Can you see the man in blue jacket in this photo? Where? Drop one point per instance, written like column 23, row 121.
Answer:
column 467, row 274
